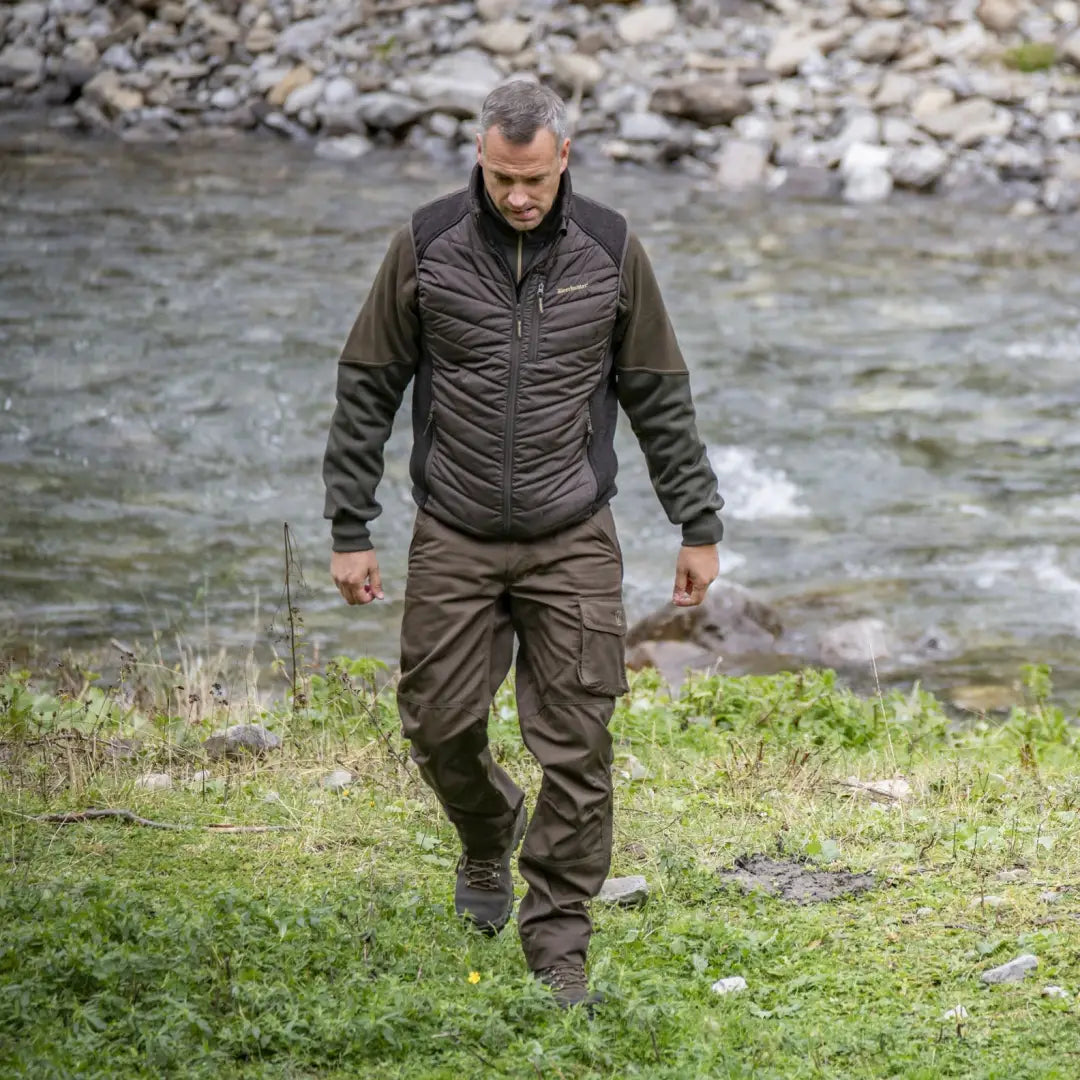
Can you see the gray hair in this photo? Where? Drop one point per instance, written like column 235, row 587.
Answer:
column 519, row 109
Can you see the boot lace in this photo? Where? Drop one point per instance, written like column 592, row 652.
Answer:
column 564, row 977
column 481, row 873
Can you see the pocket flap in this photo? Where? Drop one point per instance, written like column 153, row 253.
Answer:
column 605, row 615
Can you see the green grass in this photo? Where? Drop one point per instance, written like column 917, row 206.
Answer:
column 332, row 951
column 1031, row 56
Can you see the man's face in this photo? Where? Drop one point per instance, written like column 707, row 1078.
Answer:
column 522, row 179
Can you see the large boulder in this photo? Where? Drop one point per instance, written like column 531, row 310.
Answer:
column 709, row 102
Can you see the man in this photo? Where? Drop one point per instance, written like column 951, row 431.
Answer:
column 525, row 314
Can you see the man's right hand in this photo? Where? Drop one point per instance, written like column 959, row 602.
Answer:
column 356, row 574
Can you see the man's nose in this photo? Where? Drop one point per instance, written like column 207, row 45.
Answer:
column 517, row 198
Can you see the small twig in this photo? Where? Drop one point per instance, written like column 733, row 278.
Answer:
column 78, row 816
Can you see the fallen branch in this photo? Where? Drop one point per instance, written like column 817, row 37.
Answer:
column 78, row 816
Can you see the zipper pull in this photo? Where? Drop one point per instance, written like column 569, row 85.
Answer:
column 540, row 295
column 519, row 328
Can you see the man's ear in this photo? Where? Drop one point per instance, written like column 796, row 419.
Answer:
column 564, row 155
column 479, row 149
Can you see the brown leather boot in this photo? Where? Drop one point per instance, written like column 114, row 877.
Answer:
column 485, row 887
column 569, row 987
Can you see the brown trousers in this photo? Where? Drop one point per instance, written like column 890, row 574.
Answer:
column 561, row 596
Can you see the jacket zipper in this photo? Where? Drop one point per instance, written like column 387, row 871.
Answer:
column 429, row 426
column 511, row 416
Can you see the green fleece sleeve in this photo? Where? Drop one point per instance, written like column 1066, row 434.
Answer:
column 375, row 367
column 653, row 387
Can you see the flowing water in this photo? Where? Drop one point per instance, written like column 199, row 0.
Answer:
column 889, row 396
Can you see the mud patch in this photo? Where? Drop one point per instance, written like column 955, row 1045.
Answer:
column 794, row 880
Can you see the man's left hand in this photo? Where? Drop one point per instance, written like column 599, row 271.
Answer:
column 695, row 571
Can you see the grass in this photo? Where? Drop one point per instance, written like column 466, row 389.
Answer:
column 1031, row 56
column 332, row 951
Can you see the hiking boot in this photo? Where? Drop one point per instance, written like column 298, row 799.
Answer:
column 485, row 887
column 569, row 987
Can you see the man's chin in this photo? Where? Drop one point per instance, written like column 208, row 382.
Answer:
column 523, row 223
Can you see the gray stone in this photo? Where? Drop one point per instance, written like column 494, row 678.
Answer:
column 856, row 642
column 624, row 891
column 457, row 84
column 807, row 183
column 339, row 779
column 385, row 111
column 202, row 776
column 1055, row 992
column 1059, row 126
column 343, row 148
column 742, row 164
column 154, row 782
column 304, row 37
column 576, row 70
column 878, row 41
column 1052, row 896
column 240, row 739
column 709, row 102
column 505, row 38
column 1061, row 196
column 731, row 985
column 106, row 92
column 1018, row 161
column 119, row 58
column 225, row 98
column 647, row 24
column 644, row 127
column 790, row 50
column 924, row 912
column 1070, row 49
column 1001, row 16
column 19, row 64
column 304, row 97
column 445, row 127
column 340, row 91
column 1014, row 971
column 260, row 39
column 216, row 25
column 869, row 185
column 898, row 132
column 492, row 10
column 895, row 89
column 968, row 122
column 918, row 167
column 30, row 14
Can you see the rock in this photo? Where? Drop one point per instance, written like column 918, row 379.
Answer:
column 956, row 1013
column 78, row 63
column 216, row 25
column 340, row 91
column 339, row 779
column 240, row 739
column 299, row 76
column 1060, row 195
column 1055, row 992
column 172, row 11
column 729, row 619
column 385, row 111
column 1014, row 874
column 791, row 48
column 856, row 642
column 20, row 64
column 932, row 101
column 807, row 183
column 918, row 167
column 1019, row 161
column 304, row 37
column 225, row 98
column 880, row 9
column 742, row 164
column 29, row 14
column 505, row 38
column 106, row 92
column 985, row 697
column 896, row 132
column 119, row 58
column 1052, row 896
column 968, row 122
column 895, row 89
column 1070, row 49
column 260, row 39
column 731, row 985
column 445, row 127
column 794, row 880
column 990, row 901
column 647, row 24
column 709, row 102
column 304, row 97
column 673, row 659
column 860, row 127
column 493, row 10
column 896, row 788
column 572, row 71
column 645, row 127
column 1014, row 971
column 878, row 42
column 624, row 891
column 1001, row 16
column 924, row 912
column 156, row 781
column 457, row 84
column 1059, row 126
column 632, row 769
column 202, row 776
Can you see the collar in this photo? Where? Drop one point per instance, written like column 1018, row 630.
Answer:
column 555, row 220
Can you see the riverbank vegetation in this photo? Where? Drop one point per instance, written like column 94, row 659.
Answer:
column 327, row 947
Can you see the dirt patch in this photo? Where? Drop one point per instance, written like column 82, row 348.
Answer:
column 795, row 880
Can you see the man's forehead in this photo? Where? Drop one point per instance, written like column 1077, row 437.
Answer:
column 504, row 156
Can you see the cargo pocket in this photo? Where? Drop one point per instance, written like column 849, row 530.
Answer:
column 602, row 663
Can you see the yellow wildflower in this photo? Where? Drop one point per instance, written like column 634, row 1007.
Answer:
column 474, row 977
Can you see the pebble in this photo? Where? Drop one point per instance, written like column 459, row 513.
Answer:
column 154, row 782
column 1055, row 992
column 957, row 1013
column 338, row 780
column 624, row 891
column 731, row 985
column 1014, row 971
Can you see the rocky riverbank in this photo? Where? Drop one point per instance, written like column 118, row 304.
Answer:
column 830, row 98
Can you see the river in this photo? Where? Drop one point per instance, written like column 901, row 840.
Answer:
column 889, row 396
